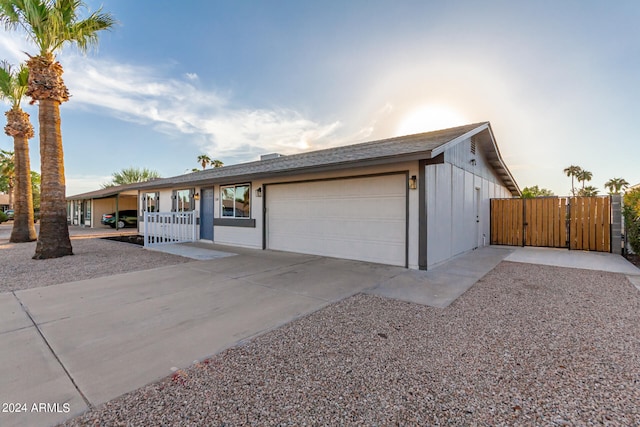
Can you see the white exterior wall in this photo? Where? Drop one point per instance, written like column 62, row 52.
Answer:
column 251, row 237
column 452, row 191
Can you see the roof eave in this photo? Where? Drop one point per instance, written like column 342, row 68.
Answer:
column 289, row 171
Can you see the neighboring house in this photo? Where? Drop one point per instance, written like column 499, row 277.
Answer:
column 86, row 209
column 4, row 202
column 412, row 201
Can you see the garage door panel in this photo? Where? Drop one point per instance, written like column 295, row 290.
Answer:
column 358, row 218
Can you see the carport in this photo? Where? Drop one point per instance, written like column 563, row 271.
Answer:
column 86, row 209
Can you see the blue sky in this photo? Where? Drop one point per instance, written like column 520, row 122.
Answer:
column 558, row 80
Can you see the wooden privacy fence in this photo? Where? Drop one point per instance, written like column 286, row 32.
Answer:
column 582, row 223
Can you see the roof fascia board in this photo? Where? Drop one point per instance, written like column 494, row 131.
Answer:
column 442, row 148
column 502, row 164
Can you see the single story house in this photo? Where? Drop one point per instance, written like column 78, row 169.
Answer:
column 412, row 201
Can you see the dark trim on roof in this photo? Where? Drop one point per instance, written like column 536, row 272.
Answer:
column 106, row 192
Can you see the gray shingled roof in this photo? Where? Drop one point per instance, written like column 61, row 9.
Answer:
column 411, row 147
column 106, row 192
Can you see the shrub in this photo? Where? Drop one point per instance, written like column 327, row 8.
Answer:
column 3, row 217
column 631, row 212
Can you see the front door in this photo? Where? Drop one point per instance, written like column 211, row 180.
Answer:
column 206, row 214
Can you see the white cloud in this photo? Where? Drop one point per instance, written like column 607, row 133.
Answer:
column 178, row 107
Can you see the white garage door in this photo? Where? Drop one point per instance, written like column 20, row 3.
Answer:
column 357, row 218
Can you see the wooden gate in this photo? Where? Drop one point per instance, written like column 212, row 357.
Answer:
column 581, row 223
column 590, row 224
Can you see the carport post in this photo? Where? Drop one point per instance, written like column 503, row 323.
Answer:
column 117, row 210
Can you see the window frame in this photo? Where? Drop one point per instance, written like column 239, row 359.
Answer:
column 175, row 206
column 222, row 200
column 145, row 201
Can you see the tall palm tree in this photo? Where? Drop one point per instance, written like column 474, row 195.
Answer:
column 50, row 25
column 616, row 184
column 204, row 160
column 572, row 171
column 217, row 163
column 13, row 85
column 584, row 176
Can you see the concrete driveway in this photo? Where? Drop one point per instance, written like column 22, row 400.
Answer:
column 68, row 347
column 80, row 344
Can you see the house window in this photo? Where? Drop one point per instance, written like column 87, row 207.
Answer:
column 183, row 200
column 236, row 201
column 150, row 202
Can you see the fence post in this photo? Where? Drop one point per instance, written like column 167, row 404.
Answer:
column 616, row 224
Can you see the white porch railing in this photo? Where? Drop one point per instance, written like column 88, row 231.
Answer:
column 161, row 228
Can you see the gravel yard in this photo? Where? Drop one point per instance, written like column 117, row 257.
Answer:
column 526, row 345
column 93, row 257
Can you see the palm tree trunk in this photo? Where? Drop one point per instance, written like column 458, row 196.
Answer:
column 53, row 240
column 23, row 229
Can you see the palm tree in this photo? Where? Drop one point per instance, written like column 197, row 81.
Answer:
column 535, row 191
column 584, row 176
column 13, row 85
column 217, row 163
column 131, row 175
column 572, row 171
column 51, row 24
column 588, row 191
column 7, row 172
column 204, row 160
column 615, row 185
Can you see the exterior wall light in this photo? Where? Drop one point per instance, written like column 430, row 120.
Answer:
column 259, row 192
column 196, row 196
column 413, row 182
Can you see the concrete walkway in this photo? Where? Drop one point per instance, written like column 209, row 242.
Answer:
column 599, row 261
column 77, row 345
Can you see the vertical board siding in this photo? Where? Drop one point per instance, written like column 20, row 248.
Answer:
column 543, row 222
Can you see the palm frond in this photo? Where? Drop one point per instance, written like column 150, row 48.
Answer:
column 52, row 23
column 13, row 83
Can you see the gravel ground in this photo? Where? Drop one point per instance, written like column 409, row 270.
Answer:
column 92, row 257
column 527, row 345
